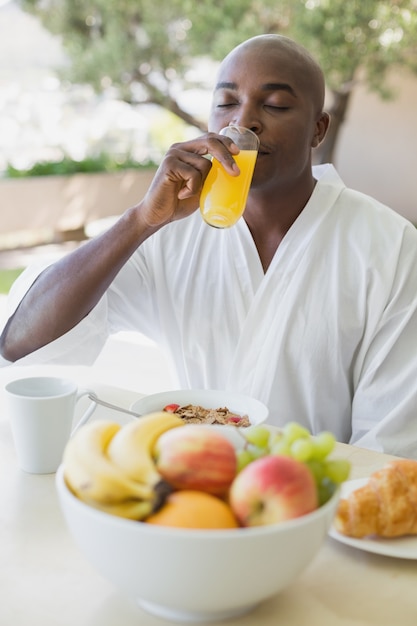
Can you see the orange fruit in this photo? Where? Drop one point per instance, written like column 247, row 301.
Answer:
column 194, row 509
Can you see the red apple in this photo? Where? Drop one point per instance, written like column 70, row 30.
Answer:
column 198, row 457
column 272, row 489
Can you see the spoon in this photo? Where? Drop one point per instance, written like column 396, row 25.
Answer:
column 109, row 405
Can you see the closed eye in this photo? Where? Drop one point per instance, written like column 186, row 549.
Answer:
column 276, row 107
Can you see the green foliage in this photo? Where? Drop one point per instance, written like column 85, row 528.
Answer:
column 101, row 163
column 145, row 49
column 7, row 278
column 357, row 40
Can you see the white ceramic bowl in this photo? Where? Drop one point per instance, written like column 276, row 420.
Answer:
column 208, row 398
column 194, row 575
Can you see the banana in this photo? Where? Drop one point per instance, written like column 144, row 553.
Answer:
column 93, row 477
column 131, row 449
column 130, row 509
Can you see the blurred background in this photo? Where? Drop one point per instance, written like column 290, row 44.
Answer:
column 108, row 86
column 92, row 93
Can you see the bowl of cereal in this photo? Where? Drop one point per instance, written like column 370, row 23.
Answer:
column 206, row 406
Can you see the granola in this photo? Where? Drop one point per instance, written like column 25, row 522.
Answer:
column 194, row 414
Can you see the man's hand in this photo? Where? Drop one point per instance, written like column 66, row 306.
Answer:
column 175, row 190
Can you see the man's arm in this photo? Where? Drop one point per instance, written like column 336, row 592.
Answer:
column 70, row 288
column 65, row 292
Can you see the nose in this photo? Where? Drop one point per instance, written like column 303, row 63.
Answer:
column 247, row 115
column 253, row 124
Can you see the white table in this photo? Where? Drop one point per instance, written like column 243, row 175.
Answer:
column 45, row 580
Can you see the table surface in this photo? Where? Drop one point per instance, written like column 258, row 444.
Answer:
column 46, row 581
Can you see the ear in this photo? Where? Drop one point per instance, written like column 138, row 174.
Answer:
column 320, row 130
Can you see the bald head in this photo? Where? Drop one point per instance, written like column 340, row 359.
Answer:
column 283, row 51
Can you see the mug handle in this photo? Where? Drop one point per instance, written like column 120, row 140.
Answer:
column 88, row 413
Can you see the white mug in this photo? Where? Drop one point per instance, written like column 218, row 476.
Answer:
column 41, row 411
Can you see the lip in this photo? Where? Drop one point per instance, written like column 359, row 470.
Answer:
column 263, row 150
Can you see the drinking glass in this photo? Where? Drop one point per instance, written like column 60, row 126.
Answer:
column 223, row 198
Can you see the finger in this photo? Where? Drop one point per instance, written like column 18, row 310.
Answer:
column 213, row 145
column 186, row 174
column 223, row 149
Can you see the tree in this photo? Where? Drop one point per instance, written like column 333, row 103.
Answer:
column 145, row 48
column 356, row 41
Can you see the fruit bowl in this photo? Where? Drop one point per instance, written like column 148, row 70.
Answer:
column 194, row 575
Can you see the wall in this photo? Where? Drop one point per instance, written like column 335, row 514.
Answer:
column 33, row 209
column 377, row 150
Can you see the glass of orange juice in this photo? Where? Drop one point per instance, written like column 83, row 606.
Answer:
column 223, row 197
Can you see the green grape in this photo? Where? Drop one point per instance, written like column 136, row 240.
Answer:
column 275, row 437
column 293, row 431
column 323, row 444
column 243, row 458
column 337, row 470
column 255, row 451
column 302, row 449
column 325, row 490
column 317, row 468
column 257, row 435
column 280, row 447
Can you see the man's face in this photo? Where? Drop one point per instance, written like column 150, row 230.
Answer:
column 270, row 91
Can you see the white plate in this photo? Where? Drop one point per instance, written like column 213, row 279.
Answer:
column 400, row 547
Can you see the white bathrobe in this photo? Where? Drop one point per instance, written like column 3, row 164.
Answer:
column 327, row 337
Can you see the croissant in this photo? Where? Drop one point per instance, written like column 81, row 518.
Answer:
column 385, row 506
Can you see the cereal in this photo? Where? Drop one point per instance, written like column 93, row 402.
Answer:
column 194, row 414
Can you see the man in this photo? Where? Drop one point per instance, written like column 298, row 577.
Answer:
column 309, row 303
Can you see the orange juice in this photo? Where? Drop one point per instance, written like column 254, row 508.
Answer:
column 223, row 198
